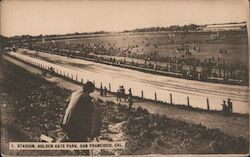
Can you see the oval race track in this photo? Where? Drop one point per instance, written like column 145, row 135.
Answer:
column 198, row 92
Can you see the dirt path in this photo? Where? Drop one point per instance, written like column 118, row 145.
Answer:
column 234, row 125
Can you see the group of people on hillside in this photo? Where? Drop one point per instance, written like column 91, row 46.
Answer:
column 103, row 91
column 227, row 109
column 122, row 94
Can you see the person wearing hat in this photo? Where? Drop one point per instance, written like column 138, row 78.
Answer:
column 81, row 120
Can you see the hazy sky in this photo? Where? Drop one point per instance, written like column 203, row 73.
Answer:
column 36, row 17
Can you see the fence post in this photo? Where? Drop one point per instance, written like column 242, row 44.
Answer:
column 142, row 94
column 72, row 77
column 155, row 96
column 208, row 108
column 171, row 100
column 77, row 77
column 188, row 101
column 109, row 87
column 81, row 80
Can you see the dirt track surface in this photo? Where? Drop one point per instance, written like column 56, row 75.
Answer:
column 233, row 125
column 198, row 92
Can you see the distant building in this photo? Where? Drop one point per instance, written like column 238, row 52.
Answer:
column 224, row 27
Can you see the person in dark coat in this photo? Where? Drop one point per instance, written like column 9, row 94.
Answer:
column 118, row 95
column 105, row 91
column 224, row 108
column 81, row 119
column 101, row 91
column 130, row 92
column 230, row 105
column 122, row 93
column 130, row 98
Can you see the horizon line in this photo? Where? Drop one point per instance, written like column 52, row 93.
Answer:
column 121, row 31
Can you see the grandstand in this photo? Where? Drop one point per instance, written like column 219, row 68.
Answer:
column 224, row 27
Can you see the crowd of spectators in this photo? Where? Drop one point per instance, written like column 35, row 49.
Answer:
column 185, row 65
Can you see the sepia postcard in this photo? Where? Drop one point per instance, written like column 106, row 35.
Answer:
column 124, row 78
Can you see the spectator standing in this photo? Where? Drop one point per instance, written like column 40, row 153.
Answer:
column 81, row 120
column 101, row 91
column 230, row 105
column 130, row 98
column 105, row 91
